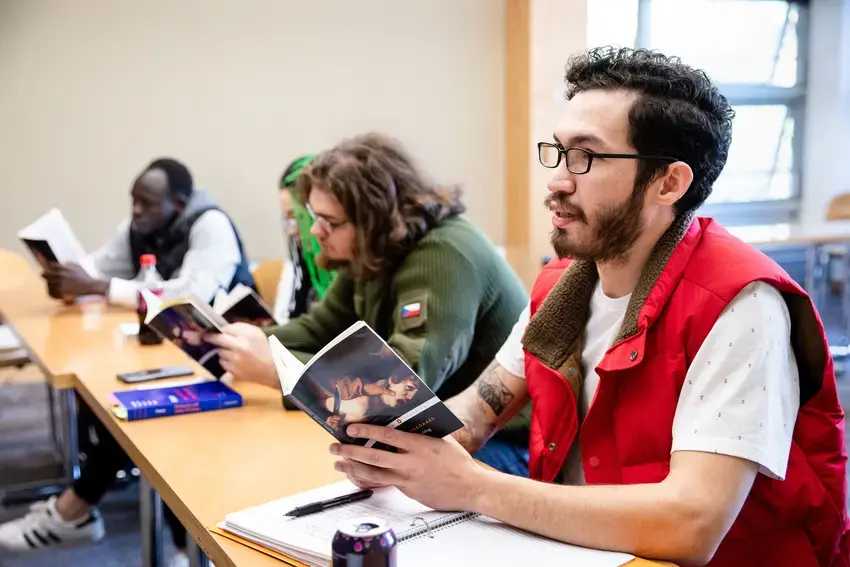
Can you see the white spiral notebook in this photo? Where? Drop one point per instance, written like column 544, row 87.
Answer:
column 425, row 537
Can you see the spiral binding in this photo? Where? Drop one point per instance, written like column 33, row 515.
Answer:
column 429, row 530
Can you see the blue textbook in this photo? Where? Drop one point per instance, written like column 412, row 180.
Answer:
column 174, row 400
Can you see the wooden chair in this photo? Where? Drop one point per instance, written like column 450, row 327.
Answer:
column 267, row 277
column 839, row 208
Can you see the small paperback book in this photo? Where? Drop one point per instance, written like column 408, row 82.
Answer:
column 145, row 403
column 358, row 378
column 50, row 239
column 243, row 304
column 186, row 321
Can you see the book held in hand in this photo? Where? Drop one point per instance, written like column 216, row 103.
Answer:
column 358, row 378
column 50, row 239
column 146, row 403
column 186, row 322
column 426, row 537
column 243, row 305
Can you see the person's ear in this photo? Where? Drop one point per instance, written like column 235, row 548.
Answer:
column 180, row 202
column 673, row 184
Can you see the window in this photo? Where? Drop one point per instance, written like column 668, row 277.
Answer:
column 755, row 51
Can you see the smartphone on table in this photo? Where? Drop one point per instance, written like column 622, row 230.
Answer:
column 154, row 374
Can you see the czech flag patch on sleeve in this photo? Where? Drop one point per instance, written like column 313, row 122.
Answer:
column 411, row 310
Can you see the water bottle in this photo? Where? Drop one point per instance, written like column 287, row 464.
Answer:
column 150, row 280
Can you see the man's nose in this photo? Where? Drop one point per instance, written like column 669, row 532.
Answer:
column 562, row 178
column 562, row 181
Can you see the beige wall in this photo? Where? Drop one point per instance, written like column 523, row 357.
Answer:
column 541, row 36
column 92, row 90
column 559, row 29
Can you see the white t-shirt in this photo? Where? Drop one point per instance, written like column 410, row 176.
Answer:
column 741, row 393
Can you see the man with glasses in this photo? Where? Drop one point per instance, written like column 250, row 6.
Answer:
column 684, row 400
column 410, row 266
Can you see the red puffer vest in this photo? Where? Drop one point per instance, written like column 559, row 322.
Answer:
column 626, row 435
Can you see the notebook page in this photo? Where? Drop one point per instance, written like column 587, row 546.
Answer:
column 311, row 535
column 484, row 541
column 289, row 369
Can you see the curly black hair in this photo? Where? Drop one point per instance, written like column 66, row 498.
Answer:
column 679, row 112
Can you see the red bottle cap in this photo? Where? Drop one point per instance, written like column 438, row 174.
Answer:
column 148, row 260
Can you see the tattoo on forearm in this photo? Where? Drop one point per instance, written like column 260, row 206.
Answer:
column 466, row 437
column 494, row 392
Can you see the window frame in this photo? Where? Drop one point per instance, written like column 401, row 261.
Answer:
column 777, row 211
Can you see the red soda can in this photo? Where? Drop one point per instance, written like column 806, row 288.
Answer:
column 364, row 542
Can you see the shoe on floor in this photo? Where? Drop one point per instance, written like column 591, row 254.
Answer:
column 179, row 559
column 43, row 528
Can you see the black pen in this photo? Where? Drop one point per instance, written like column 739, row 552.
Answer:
column 325, row 504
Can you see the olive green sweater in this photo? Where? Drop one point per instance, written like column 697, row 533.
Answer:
column 468, row 299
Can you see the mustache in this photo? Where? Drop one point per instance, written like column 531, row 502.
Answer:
column 559, row 201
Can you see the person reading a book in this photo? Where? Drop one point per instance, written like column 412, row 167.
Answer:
column 197, row 247
column 424, row 278
column 198, row 250
column 683, row 394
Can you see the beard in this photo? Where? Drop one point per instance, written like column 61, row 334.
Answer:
column 330, row 264
column 610, row 234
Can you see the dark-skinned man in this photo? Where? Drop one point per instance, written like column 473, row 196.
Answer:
column 197, row 247
column 198, row 251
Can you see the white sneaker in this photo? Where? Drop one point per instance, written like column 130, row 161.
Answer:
column 179, row 559
column 43, row 528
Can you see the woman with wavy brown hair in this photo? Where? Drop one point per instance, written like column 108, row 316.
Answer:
column 424, row 278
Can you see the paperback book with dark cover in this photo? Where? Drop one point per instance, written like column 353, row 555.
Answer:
column 186, row 322
column 358, row 378
column 41, row 251
column 243, row 305
column 50, row 239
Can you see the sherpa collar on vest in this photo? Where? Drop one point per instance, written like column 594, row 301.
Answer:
column 565, row 311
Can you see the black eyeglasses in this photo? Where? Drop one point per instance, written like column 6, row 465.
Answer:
column 579, row 159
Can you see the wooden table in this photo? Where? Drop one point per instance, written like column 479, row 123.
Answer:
column 205, row 465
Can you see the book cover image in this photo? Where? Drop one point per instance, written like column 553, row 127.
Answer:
column 41, row 251
column 186, row 326
column 361, row 380
column 249, row 310
column 243, row 305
